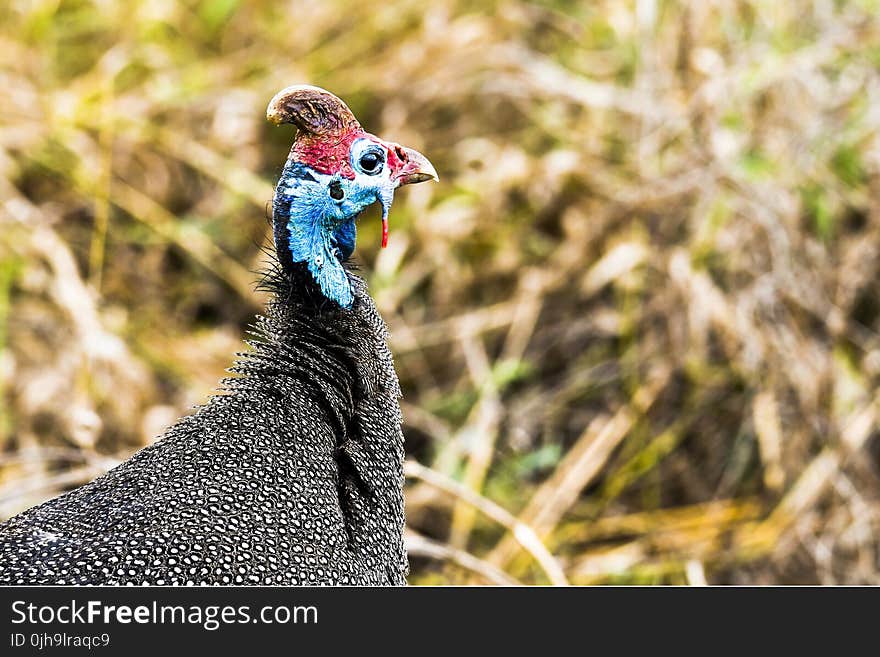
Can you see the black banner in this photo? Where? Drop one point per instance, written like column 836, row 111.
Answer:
column 96, row 620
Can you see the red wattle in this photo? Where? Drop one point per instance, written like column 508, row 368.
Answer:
column 384, row 232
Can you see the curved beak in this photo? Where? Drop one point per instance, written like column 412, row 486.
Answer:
column 415, row 168
column 408, row 166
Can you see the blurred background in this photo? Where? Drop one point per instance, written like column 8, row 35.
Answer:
column 637, row 323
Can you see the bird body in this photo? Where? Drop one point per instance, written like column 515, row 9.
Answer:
column 293, row 474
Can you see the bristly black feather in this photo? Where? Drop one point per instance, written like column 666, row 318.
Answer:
column 292, row 475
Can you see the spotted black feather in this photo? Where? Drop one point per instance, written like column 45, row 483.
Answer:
column 292, row 475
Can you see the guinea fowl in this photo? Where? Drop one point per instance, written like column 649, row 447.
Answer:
column 293, row 475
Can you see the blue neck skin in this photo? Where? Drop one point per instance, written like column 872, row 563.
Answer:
column 318, row 212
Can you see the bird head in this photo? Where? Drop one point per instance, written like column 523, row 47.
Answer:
column 334, row 171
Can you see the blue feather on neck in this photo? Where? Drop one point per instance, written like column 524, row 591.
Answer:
column 321, row 229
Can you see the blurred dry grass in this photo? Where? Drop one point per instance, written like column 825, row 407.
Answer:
column 637, row 325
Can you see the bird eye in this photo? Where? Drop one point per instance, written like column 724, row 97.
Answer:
column 371, row 162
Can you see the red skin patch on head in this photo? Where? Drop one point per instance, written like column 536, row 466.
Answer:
column 326, row 154
column 330, row 155
column 396, row 156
